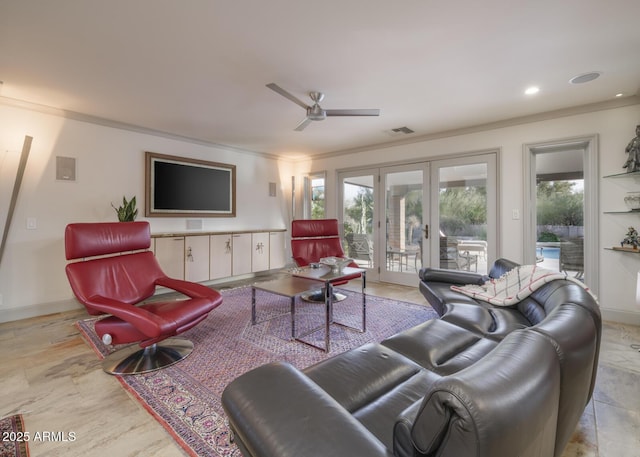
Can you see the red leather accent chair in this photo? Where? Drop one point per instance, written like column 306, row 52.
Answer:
column 313, row 239
column 112, row 272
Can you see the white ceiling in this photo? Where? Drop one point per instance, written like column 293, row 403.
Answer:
column 198, row 68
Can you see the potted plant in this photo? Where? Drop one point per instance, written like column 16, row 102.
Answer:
column 126, row 212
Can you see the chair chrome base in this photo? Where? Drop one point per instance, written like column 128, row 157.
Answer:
column 135, row 360
column 317, row 296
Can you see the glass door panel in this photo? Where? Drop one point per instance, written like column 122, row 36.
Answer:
column 404, row 225
column 560, row 211
column 463, row 237
column 561, row 207
column 314, row 206
column 359, row 229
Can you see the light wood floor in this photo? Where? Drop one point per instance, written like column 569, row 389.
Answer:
column 50, row 375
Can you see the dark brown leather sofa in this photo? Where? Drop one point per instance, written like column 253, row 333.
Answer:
column 480, row 381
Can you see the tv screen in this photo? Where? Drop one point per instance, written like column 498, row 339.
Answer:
column 177, row 186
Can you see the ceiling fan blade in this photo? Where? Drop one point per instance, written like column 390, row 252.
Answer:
column 301, row 126
column 353, row 112
column 274, row 87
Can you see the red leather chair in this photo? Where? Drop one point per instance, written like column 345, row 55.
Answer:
column 313, row 239
column 116, row 271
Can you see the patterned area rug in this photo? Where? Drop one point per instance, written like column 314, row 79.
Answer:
column 185, row 397
column 13, row 437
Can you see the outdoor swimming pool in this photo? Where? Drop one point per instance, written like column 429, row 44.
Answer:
column 548, row 253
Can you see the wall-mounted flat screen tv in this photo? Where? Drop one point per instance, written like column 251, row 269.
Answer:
column 177, row 186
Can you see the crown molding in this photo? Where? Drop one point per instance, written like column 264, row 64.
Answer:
column 81, row 117
column 547, row 115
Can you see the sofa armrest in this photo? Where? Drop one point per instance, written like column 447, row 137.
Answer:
column 277, row 411
column 402, row 439
column 502, row 266
column 451, row 276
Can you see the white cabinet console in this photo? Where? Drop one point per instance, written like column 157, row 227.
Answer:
column 196, row 258
column 220, row 256
column 206, row 256
column 241, row 254
column 277, row 250
column 170, row 254
column 260, row 254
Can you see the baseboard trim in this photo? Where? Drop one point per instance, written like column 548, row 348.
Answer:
column 621, row 316
column 40, row 309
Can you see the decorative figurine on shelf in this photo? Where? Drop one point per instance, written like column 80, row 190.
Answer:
column 631, row 238
column 633, row 149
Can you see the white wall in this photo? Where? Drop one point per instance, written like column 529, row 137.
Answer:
column 614, row 127
column 110, row 164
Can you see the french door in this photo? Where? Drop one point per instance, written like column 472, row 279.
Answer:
column 397, row 219
column 464, row 213
column 403, row 239
column 359, row 215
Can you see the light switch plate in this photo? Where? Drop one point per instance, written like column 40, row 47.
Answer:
column 32, row 223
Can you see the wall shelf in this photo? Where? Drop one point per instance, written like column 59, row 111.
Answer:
column 630, row 251
column 635, row 174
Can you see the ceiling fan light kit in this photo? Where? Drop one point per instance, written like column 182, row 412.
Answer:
column 315, row 112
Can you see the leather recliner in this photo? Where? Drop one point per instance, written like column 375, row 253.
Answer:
column 313, row 239
column 111, row 274
column 481, row 381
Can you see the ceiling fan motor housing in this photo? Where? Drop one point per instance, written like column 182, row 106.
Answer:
column 316, row 113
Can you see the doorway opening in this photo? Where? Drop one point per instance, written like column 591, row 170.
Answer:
column 561, row 208
column 560, row 211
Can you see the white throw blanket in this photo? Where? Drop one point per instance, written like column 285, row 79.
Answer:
column 515, row 285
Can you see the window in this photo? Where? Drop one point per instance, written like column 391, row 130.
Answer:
column 314, row 196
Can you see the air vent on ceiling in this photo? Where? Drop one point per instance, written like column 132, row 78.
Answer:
column 405, row 130
column 400, row 131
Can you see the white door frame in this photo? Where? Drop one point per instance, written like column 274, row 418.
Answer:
column 491, row 160
column 394, row 276
column 589, row 146
column 373, row 273
column 431, row 249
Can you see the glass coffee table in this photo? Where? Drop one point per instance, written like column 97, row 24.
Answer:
column 302, row 280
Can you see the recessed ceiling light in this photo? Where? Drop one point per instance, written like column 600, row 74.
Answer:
column 585, row 78
column 532, row 90
column 619, row 95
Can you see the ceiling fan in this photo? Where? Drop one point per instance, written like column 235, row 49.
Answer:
column 316, row 112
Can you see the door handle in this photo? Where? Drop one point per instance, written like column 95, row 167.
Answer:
column 426, row 231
